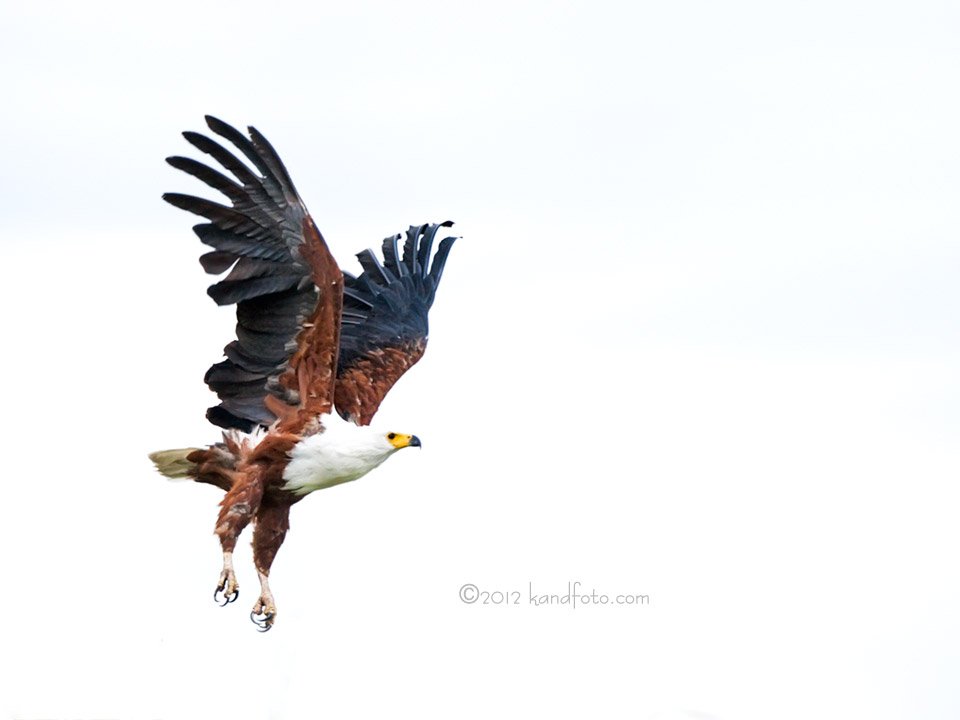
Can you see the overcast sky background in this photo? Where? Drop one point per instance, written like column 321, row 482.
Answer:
column 699, row 341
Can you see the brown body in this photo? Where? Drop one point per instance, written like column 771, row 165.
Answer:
column 253, row 481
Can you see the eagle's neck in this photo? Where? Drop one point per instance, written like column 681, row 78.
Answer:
column 341, row 453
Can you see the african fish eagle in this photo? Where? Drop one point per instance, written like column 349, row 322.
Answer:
column 316, row 351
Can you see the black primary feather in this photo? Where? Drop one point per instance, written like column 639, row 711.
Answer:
column 391, row 307
column 257, row 238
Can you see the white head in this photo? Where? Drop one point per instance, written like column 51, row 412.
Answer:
column 365, row 438
column 341, row 453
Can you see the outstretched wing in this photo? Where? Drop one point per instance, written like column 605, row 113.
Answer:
column 287, row 286
column 384, row 329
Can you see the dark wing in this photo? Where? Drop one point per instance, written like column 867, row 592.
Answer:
column 384, row 328
column 287, row 329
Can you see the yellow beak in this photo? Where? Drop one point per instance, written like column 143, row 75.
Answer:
column 402, row 441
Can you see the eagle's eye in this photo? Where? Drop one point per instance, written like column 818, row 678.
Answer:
column 391, row 436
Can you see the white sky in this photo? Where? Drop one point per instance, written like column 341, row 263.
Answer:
column 699, row 342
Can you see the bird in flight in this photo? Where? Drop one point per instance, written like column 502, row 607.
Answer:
column 316, row 351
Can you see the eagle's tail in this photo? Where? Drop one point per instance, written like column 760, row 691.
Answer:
column 214, row 465
column 173, row 464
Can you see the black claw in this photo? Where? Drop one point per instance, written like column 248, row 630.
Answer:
column 264, row 625
column 227, row 599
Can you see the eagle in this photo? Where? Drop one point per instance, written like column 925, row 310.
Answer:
column 316, row 349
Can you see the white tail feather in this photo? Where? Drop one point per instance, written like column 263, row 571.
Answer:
column 173, row 464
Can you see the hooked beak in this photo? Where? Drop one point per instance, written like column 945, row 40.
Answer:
column 401, row 441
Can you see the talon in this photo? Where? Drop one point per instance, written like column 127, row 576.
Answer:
column 267, row 623
column 265, row 606
column 263, row 623
column 229, row 586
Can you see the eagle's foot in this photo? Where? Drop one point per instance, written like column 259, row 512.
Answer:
column 228, row 584
column 264, row 606
column 264, row 612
